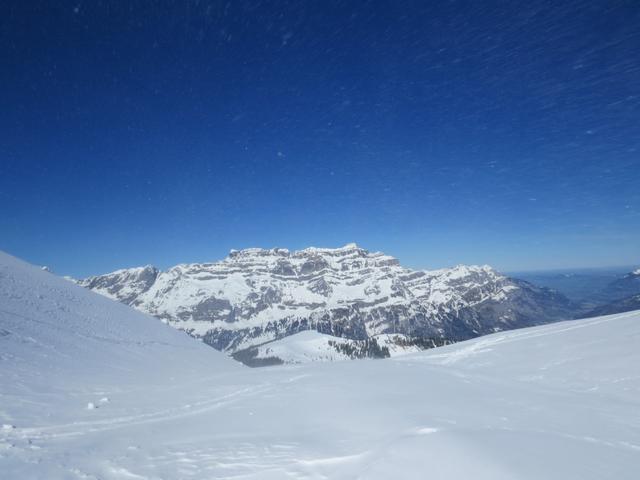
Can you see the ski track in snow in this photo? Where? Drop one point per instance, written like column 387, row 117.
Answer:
column 84, row 428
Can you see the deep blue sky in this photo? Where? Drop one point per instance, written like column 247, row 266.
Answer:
column 439, row 132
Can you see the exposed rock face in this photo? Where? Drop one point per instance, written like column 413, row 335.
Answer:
column 259, row 295
column 124, row 285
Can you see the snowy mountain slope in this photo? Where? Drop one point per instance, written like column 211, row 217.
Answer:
column 256, row 295
column 62, row 337
column 559, row 401
column 312, row 346
column 308, row 346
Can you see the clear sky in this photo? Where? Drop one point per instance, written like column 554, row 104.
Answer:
column 448, row 132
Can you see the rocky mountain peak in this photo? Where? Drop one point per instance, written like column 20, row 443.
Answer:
column 281, row 261
column 257, row 295
column 126, row 285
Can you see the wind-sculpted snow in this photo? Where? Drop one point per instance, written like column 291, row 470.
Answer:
column 256, row 295
column 90, row 389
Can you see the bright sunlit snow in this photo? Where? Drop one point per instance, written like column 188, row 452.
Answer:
column 92, row 389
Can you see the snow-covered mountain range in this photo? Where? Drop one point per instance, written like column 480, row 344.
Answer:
column 259, row 295
column 92, row 389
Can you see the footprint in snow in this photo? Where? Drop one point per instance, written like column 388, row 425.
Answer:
column 425, row 430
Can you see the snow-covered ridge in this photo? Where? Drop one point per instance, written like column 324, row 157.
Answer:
column 65, row 335
column 256, row 295
column 312, row 346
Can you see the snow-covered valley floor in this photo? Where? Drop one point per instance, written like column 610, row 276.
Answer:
column 560, row 401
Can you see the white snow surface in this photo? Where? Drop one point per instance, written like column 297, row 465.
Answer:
column 312, row 346
column 560, row 401
column 308, row 346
